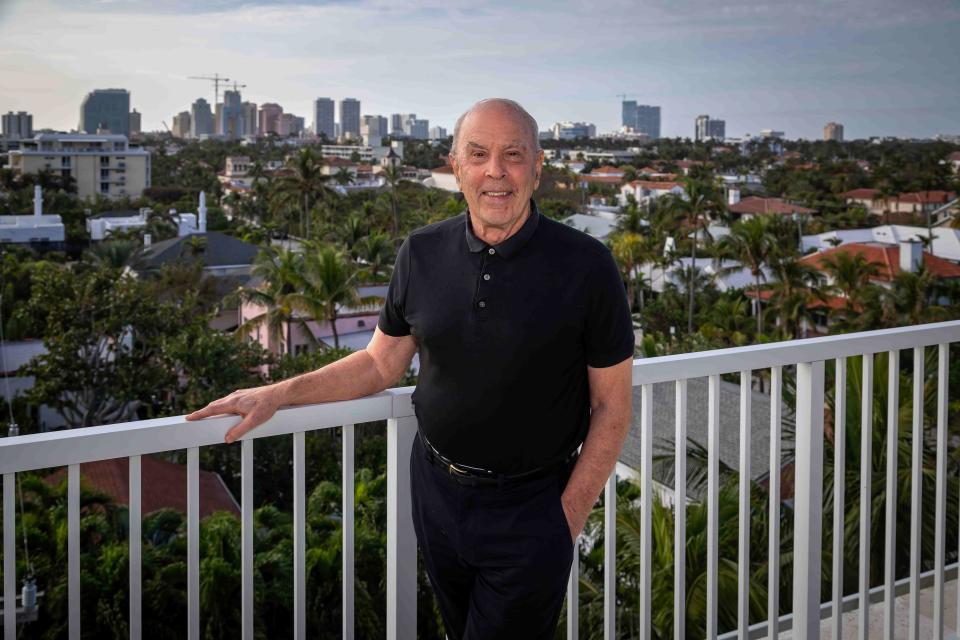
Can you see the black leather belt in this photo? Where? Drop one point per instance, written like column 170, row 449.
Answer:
column 474, row 476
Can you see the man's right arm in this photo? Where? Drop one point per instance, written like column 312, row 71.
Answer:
column 361, row 373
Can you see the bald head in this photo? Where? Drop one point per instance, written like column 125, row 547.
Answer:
column 510, row 108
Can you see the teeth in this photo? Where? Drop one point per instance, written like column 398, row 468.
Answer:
column 497, row 193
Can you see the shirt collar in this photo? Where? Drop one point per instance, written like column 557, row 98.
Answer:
column 511, row 245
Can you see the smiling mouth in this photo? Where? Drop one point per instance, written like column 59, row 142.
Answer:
column 497, row 194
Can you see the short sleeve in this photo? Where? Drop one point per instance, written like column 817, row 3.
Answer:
column 393, row 320
column 609, row 335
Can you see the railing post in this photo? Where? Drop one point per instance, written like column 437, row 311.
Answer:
column 401, row 539
column 808, row 524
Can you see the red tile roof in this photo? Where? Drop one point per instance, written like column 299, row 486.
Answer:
column 163, row 485
column 656, row 185
column 886, row 258
column 954, row 157
column 928, row 197
column 861, row 194
column 607, row 170
column 754, row 205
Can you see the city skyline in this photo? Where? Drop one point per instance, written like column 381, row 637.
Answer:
column 756, row 66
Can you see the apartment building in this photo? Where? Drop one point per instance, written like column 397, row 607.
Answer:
column 104, row 165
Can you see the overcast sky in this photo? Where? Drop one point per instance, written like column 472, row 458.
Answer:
column 880, row 67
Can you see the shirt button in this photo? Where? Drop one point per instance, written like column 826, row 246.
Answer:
column 482, row 304
column 491, row 251
column 486, row 276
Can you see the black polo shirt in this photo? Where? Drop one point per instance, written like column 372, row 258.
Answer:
column 505, row 334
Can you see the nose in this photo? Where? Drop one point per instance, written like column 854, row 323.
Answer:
column 495, row 168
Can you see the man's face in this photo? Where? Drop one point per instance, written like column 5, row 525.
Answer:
column 495, row 165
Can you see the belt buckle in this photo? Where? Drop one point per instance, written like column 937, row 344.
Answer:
column 454, row 469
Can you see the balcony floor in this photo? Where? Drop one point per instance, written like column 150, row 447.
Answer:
column 901, row 617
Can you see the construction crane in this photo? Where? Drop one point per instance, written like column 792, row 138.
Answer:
column 237, row 86
column 624, row 96
column 217, row 79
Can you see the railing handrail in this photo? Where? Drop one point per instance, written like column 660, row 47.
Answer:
column 141, row 437
column 71, row 446
column 699, row 364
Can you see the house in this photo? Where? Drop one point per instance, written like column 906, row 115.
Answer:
column 752, row 206
column 605, row 175
column 890, row 261
column 945, row 243
column 103, row 224
column 954, row 160
column 163, row 485
column 443, row 178
column 912, row 203
column 646, row 191
column 664, row 432
column 40, row 231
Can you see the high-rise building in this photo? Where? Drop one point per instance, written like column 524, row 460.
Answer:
column 641, row 118
column 230, row 123
column 438, row 133
column 106, row 110
column 706, row 128
column 373, row 129
column 17, row 126
column 396, row 123
column 324, row 118
column 772, row 133
column 350, row 118
column 288, row 125
column 201, row 119
column 250, row 120
column 181, row 125
column 270, row 113
column 648, row 120
column 573, row 130
column 135, row 123
column 833, row 131
column 417, row 128
column 101, row 164
column 628, row 116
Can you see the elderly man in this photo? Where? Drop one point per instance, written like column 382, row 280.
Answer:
column 525, row 343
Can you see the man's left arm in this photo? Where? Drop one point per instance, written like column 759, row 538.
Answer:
column 611, row 403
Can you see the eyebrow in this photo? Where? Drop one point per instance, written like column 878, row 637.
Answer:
column 510, row 145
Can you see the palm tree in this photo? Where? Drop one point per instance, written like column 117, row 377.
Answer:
column 303, row 186
column 851, row 274
column 279, row 274
column 115, row 254
column 700, row 200
column 750, row 243
column 343, row 177
column 392, row 175
column 793, row 286
column 631, row 251
column 376, row 252
column 327, row 281
column 350, row 231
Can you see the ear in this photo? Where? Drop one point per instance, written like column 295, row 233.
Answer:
column 455, row 165
column 538, row 169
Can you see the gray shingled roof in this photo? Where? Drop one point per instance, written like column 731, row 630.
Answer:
column 697, row 399
column 221, row 251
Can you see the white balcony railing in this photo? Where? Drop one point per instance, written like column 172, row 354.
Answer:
column 134, row 439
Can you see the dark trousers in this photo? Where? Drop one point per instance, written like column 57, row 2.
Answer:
column 498, row 558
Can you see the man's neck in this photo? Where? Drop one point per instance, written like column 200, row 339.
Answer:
column 495, row 234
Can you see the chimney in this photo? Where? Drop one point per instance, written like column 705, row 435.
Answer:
column 202, row 213
column 147, row 239
column 733, row 196
column 911, row 255
column 37, row 201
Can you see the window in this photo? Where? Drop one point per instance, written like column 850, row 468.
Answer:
column 361, row 323
column 300, row 349
column 104, row 161
column 104, row 187
column 104, row 174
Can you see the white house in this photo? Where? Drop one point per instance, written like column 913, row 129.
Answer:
column 646, row 191
column 40, row 230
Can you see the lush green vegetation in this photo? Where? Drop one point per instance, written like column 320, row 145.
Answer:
column 165, row 359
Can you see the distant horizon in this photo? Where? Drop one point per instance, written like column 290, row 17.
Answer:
column 756, row 66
